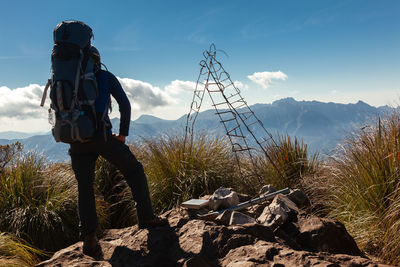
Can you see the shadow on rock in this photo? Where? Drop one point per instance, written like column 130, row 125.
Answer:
column 159, row 248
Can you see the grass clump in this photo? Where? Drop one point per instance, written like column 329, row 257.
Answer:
column 177, row 172
column 15, row 252
column 290, row 163
column 38, row 202
column 391, row 223
column 361, row 187
column 112, row 188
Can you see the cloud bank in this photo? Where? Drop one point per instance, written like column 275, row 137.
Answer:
column 265, row 78
column 21, row 103
column 240, row 85
column 177, row 86
column 144, row 95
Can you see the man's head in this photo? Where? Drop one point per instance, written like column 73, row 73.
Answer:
column 96, row 56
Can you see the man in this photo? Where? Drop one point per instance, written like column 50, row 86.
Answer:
column 112, row 148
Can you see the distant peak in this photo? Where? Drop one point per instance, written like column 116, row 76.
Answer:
column 285, row 101
column 147, row 119
column 361, row 103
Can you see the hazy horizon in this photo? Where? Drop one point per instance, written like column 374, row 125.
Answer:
column 47, row 127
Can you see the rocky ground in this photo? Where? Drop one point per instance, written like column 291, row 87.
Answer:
column 274, row 233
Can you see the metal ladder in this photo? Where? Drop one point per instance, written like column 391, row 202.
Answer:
column 231, row 108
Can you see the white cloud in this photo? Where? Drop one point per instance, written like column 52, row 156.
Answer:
column 21, row 106
column 144, row 96
column 265, row 78
column 177, row 86
column 240, row 85
column 21, row 103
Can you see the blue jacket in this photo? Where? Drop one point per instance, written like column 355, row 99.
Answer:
column 109, row 85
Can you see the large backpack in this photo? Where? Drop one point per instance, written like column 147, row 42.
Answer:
column 73, row 86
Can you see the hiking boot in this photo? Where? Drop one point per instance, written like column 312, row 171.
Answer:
column 91, row 246
column 155, row 222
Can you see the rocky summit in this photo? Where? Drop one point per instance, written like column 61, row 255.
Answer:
column 276, row 233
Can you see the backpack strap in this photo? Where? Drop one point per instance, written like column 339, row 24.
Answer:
column 45, row 92
column 77, row 79
column 59, row 96
column 89, row 75
column 75, row 123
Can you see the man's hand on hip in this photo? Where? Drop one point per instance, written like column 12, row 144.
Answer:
column 119, row 137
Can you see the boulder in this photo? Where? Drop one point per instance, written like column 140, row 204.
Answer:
column 278, row 212
column 193, row 242
column 240, row 218
column 304, row 240
column 325, row 235
column 224, row 218
column 271, row 254
column 223, row 198
column 266, row 189
column 299, row 198
column 273, row 216
column 289, row 205
column 255, row 210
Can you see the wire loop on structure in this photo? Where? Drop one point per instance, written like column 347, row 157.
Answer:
column 203, row 63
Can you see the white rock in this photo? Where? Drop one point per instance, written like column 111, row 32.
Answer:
column 240, row 218
column 278, row 212
column 223, row 198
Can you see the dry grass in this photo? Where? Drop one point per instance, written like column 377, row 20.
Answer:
column 360, row 187
column 291, row 161
column 177, row 172
column 38, row 201
column 114, row 191
column 15, row 252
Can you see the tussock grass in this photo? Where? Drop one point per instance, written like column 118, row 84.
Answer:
column 8, row 153
column 114, row 191
column 15, row 252
column 360, row 187
column 38, row 203
column 391, row 223
column 292, row 162
column 177, row 172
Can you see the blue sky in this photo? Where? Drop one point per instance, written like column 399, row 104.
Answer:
column 340, row 51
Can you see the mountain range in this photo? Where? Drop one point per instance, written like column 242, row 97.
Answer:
column 17, row 135
column 321, row 125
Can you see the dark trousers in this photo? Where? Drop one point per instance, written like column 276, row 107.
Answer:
column 83, row 160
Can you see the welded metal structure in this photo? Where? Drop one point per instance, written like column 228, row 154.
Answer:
column 238, row 120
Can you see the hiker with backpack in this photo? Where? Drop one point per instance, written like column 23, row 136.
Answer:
column 80, row 100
